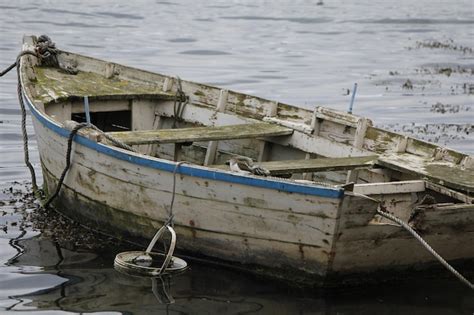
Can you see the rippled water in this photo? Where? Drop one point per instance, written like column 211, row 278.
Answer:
column 291, row 51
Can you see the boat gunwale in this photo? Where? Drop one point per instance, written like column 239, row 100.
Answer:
column 190, row 170
column 455, row 153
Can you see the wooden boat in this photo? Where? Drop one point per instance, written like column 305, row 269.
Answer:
column 305, row 220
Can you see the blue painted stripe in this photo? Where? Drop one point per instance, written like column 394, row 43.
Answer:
column 189, row 170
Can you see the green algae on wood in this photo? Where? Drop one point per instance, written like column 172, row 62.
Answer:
column 52, row 84
column 442, row 172
column 201, row 134
column 314, row 165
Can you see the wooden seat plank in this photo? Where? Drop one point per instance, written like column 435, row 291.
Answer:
column 243, row 131
column 441, row 172
column 314, row 165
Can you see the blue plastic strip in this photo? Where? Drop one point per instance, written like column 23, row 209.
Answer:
column 86, row 110
column 354, row 91
column 190, row 170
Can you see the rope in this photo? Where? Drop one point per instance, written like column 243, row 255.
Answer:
column 114, row 141
column 180, row 102
column 68, row 163
column 173, row 194
column 46, row 51
column 23, row 119
column 428, row 247
column 13, row 65
column 69, row 151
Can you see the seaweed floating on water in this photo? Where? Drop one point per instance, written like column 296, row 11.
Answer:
column 448, row 44
column 24, row 212
column 448, row 108
column 407, row 85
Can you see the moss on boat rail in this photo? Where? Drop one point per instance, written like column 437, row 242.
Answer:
column 53, row 85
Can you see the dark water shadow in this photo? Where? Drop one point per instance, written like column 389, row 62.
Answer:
column 301, row 20
column 204, row 52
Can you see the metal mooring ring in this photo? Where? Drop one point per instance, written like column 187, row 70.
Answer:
column 126, row 261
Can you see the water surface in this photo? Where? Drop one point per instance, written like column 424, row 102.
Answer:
column 414, row 64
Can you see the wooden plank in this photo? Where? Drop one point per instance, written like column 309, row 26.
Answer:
column 265, row 151
column 441, row 172
column 467, row 162
column 314, row 165
column 359, row 136
column 390, row 187
column 299, row 140
column 212, row 146
column 77, row 106
column 265, row 147
column 55, row 85
column 157, row 123
column 60, row 112
column 339, row 117
column 385, row 253
column 167, row 84
column 319, row 145
column 201, row 133
column 449, row 192
column 446, row 218
column 141, row 113
column 253, row 217
column 402, row 145
column 315, row 127
column 52, row 148
column 290, row 124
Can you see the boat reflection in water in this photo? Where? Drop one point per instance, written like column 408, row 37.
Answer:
column 81, row 281
column 87, row 282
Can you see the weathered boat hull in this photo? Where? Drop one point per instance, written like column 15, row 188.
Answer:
column 229, row 221
column 305, row 229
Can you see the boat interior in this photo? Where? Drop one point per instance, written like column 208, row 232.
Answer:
column 164, row 117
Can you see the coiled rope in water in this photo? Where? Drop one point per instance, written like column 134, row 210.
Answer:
column 427, row 246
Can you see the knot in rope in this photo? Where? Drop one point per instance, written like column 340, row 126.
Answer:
column 48, row 55
column 47, row 51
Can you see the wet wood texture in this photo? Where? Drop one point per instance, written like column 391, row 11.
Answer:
column 181, row 135
column 441, row 172
column 256, row 225
column 314, row 165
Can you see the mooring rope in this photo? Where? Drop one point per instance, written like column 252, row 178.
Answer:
column 46, row 51
column 173, row 194
column 23, row 120
column 68, row 163
column 13, row 65
column 114, row 141
column 427, row 246
column 180, row 102
column 70, row 140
